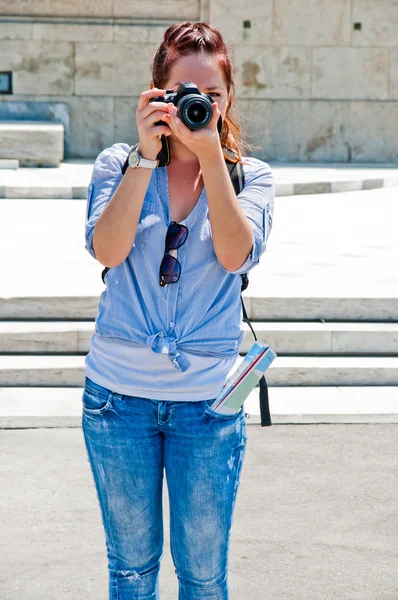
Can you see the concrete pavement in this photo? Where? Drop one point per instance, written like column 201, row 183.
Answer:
column 315, row 518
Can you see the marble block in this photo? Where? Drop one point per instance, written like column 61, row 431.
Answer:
column 267, row 72
column 350, row 73
column 103, row 69
column 312, row 23
column 16, row 31
column 394, row 74
column 374, row 131
column 39, row 67
column 177, row 10
column 91, row 125
column 309, row 130
column 134, row 32
column 27, row 108
column 256, row 124
column 33, row 144
column 63, row 8
column 379, row 22
column 67, row 32
column 229, row 18
column 125, row 128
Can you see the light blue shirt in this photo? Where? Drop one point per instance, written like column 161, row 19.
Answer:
column 182, row 340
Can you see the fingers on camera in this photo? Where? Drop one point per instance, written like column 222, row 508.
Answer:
column 147, row 95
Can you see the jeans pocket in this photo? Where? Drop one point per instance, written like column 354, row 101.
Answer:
column 222, row 416
column 96, row 399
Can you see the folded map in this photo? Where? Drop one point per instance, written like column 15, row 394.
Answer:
column 244, row 379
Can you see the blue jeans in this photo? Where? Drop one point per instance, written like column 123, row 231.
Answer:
column 129, row 440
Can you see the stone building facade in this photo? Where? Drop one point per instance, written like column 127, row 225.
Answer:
column 317, row 79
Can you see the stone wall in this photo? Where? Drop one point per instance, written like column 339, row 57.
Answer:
column 317, row 80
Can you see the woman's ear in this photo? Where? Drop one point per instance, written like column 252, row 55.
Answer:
column 151, row 85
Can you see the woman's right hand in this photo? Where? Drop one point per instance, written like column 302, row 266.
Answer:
column 149, row 113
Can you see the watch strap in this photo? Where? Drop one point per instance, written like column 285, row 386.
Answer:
column 148, row 164
column 143, row 162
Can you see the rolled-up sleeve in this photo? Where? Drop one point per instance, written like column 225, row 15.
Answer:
column 257, row 200
column 106, row 176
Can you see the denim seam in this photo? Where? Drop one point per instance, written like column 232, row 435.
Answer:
column 107, row 524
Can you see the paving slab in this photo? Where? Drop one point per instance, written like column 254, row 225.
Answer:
column 315, row 517
column 71, row 179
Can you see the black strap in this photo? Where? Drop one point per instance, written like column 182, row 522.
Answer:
column 264, row 399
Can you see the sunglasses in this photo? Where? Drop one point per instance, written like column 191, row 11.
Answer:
column 170, row 268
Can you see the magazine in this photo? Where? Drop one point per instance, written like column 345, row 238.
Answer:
column 244, row 379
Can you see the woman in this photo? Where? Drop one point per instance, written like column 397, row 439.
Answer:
column 168, row 329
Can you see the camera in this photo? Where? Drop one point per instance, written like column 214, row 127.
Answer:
column 193, row 108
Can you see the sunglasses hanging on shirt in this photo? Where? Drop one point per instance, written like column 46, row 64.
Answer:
column 170, row 267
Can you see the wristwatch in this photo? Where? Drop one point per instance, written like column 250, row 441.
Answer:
column 136, row 160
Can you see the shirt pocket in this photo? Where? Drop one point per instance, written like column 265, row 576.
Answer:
column 147, row 220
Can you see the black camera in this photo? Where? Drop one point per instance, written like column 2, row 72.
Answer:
column 193, row 108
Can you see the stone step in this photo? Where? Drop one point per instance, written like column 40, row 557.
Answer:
column 68, row 371
column 291, row 179
column 259, row 308
column 33, row 143
column 62, row 407
column 73, row 337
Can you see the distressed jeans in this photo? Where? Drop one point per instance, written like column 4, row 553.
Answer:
column 129, row 441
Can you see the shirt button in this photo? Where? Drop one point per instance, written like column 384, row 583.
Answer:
column 171, row 324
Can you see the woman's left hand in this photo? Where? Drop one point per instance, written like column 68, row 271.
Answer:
column 201, row 141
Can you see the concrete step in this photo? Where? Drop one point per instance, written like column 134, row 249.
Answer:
column 73, row 337
column 259, row 308
column 68, row 371
column 325, row 339
column 291, row 179
column 62, row 407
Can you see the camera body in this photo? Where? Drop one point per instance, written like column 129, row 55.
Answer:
column 193, row 108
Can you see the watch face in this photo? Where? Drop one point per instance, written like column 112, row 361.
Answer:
column 134, row 159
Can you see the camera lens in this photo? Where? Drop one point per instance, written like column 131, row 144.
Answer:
column 195, row 111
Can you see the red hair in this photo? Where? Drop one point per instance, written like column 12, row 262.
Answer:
column 186, row 38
